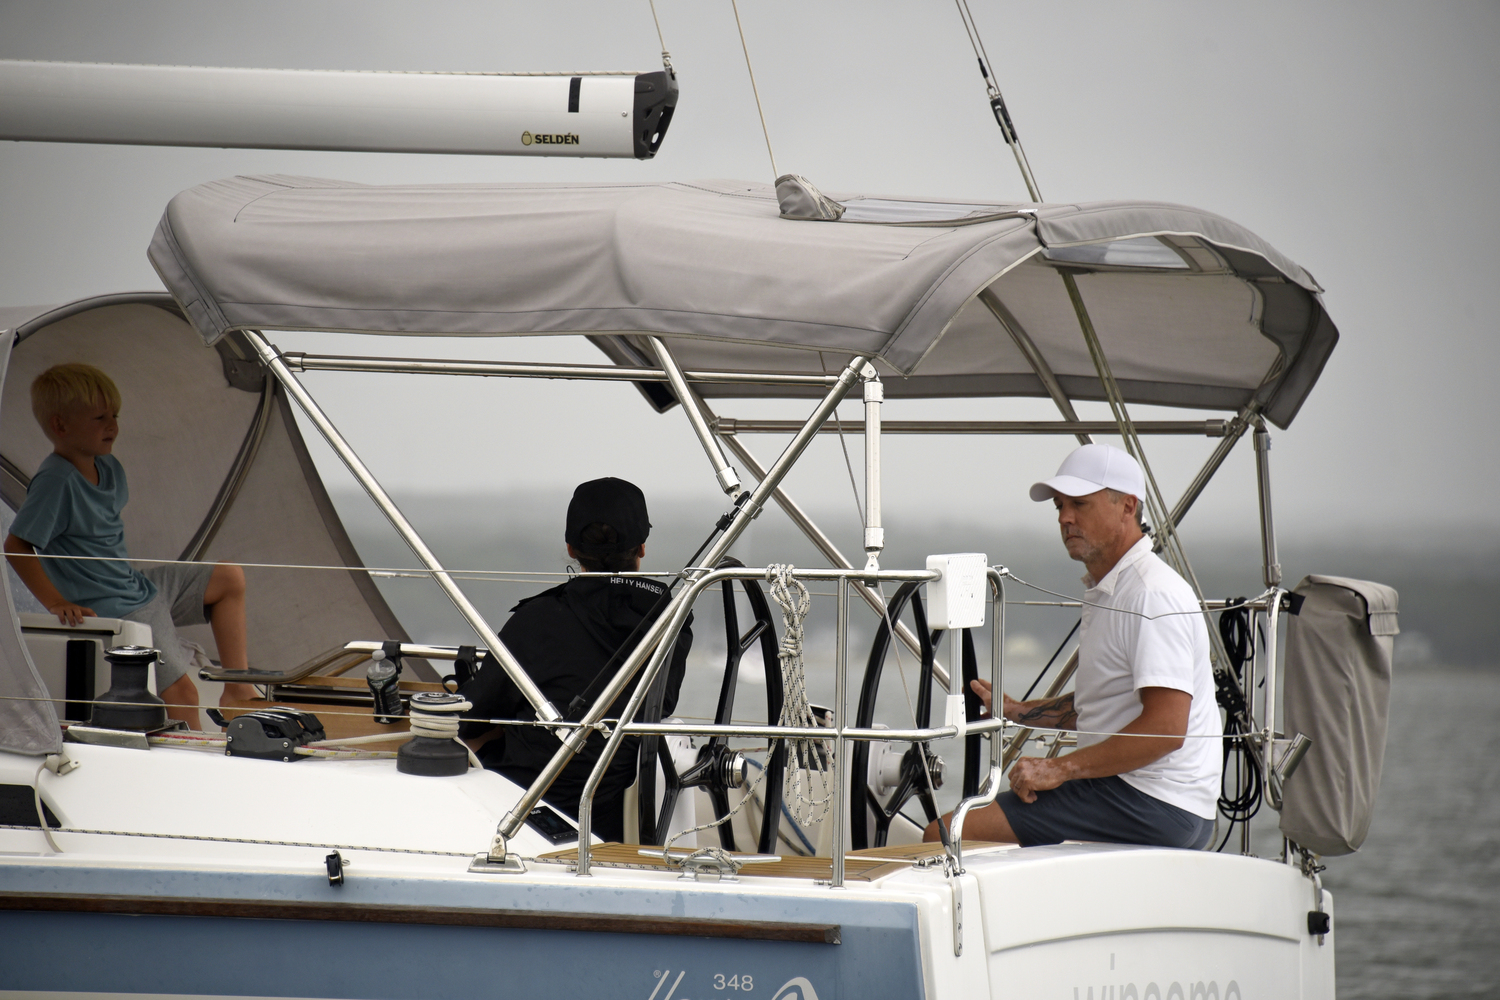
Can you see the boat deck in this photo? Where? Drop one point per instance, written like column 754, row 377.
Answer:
column 865, row 865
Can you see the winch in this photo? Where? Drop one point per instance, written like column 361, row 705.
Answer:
column 128, row 704
column 435, row 749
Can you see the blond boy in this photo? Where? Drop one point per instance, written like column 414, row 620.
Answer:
column 72, row 508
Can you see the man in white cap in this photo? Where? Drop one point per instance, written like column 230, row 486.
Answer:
column 1147, row 767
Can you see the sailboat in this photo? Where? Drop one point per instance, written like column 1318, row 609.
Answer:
column 347, row 867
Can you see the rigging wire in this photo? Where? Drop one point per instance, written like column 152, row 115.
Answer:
column 969, row 30
column 666, row 57
column 244, row 840
column 977, row 43
column 997, row 100
column 755, row 90
column 859, row 508
column 1124, row 611
column 601, row 727
column 1168, row 543
column 1060, row 647
column 504, row 575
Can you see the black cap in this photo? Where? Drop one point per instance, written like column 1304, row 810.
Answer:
column 613, row 502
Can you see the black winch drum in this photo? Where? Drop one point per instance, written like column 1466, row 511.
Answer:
column 128, row 704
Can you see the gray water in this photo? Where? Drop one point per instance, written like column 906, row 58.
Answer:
column 1419, row 905
column 1417, row 908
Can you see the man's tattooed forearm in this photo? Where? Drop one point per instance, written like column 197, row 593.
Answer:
column 1057, row 713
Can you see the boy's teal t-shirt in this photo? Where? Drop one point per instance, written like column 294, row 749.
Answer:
column 66, row 515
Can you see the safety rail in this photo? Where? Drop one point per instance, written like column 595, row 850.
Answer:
column 838, row 733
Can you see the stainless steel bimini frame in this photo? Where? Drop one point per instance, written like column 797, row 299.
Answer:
column 273, row 361
column 715, row 433
column 746, row 509
column 297, row 361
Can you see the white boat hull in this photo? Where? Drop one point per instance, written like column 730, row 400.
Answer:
column 176, row 914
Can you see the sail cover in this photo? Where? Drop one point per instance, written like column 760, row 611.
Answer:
column 1191, row 309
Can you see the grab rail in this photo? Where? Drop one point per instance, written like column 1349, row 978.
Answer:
column 838, row 733
column 990, row 788
column 357, row 652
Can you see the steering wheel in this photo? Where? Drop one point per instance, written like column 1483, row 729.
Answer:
column 911, row 782
column 718, row 768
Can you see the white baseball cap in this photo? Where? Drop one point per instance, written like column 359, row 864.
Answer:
column 1091, row 468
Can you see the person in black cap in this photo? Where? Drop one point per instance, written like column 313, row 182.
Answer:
column 567, row 637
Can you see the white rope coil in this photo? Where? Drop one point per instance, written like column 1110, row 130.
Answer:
column 806, row 755
column 440, row 722
column 439, row 726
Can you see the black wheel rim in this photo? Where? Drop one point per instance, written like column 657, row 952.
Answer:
column 708, row 771
column 912, row 782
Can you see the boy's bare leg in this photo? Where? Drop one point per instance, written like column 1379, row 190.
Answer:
column 225, row 598
column 181, row 697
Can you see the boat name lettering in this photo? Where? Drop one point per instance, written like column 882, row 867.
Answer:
column 1175, row 991
column 550, row 138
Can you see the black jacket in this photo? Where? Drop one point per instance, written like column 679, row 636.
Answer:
column 564, row 637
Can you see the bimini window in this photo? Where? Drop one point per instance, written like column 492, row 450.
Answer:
column 1142, row 251
column 917, row 213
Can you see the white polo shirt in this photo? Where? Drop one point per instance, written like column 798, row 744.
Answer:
column 1119, row 653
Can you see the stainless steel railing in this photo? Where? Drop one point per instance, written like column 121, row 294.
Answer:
column 839, row 733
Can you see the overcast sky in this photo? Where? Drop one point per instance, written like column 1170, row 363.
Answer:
column 1357, row 138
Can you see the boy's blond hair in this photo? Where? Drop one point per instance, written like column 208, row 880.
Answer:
column 64, row 387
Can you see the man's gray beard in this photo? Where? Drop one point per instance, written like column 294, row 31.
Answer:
column 1084, row 556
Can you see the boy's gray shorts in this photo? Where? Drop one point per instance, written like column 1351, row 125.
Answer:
column 178, row 601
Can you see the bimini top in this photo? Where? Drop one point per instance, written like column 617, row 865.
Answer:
column 1191, row 309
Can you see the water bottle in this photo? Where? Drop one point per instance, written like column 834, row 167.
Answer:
column 382, row 677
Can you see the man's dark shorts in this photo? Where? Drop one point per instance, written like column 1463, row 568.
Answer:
column 1109, row 810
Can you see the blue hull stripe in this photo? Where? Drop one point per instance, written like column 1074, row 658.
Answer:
column 749, row 930
column 878, row 956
